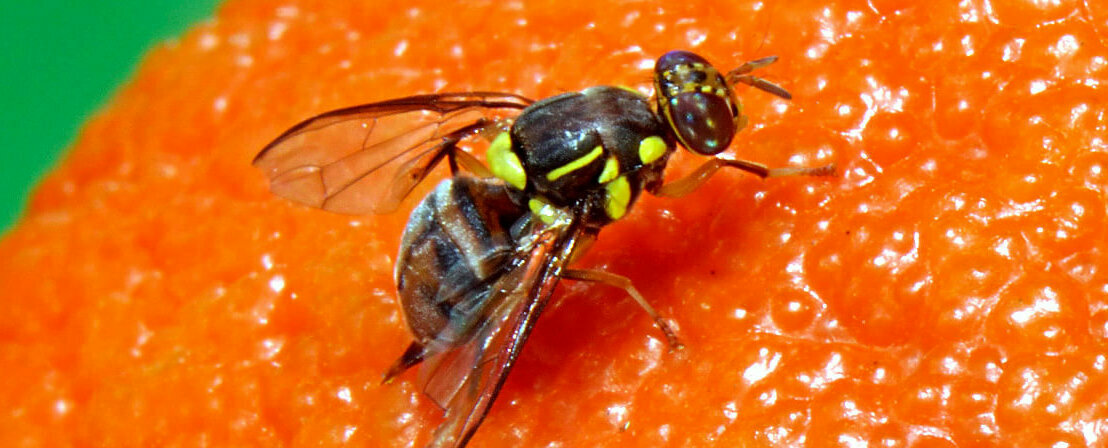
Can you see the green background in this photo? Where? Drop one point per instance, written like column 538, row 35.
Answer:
column 62, row 60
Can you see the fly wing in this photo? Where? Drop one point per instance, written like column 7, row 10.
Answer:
column 466, row 379
column 366, row 159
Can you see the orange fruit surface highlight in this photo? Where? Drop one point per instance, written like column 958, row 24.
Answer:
column 949, row 287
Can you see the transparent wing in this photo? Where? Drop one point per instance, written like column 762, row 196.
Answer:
column 466, row 379
column 366, row 159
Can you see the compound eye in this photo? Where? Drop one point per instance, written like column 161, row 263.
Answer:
column 703, row 122
column 673, row 59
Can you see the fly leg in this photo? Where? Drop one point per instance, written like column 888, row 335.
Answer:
column 690, row 183
column 456, row 156
column 487, row 129
column 742, row 75
column 470, row 163
column 624, row 283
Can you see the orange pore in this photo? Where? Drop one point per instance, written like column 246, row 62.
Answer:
column 947, row 288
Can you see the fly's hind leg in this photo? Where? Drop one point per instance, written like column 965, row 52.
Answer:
column 456, row 157
column 690, row 183
column 470, row 163
column 625, row 284
column 486, row 129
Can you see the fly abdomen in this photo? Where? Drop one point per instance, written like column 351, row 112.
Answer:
column 456, row 241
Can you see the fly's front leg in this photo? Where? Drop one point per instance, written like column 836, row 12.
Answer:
column 625, row 284
column 690, row 183
column 742, row 75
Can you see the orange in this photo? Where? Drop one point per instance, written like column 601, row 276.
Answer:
column 947, row 288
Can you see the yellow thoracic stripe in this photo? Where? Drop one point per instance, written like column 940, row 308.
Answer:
column 578, row 163
column 618, row 197
column 651, row 148
column 611, row 170
column 504, row 163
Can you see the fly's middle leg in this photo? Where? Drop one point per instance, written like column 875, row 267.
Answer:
column 625, row 284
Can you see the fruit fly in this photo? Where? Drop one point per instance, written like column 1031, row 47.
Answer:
column 482, row 253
